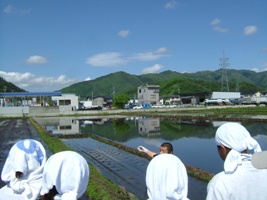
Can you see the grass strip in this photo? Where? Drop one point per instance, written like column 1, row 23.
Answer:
column 99, row 188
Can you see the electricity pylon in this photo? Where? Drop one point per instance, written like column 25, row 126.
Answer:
column 224, row 64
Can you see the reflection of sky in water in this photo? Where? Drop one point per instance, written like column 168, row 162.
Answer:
column 201, row 153
column 193, row 141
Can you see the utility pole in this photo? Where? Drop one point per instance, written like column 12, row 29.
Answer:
column 224, row 64
column 237, row 87
column 113, row 92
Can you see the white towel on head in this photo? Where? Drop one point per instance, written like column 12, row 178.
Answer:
column 68, row 171
column 29, row 157
column 237, row 138
column 166, row 178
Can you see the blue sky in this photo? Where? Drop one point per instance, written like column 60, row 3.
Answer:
column 48, row 45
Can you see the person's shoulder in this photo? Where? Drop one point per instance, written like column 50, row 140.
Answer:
column 217, row 178
column 155, row 155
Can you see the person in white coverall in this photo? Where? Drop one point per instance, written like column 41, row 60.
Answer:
column 166, row 178
column 240, row 180
column 22, row 171
column 65, row 177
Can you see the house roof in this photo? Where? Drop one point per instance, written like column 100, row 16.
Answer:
column 29, row 94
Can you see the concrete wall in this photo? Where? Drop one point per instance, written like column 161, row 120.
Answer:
column 43, row 110
column 14, row 111
column 33, row 111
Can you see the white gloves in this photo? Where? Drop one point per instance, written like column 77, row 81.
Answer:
column 142, row 149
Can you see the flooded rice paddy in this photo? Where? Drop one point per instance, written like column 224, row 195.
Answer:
column 193, row 143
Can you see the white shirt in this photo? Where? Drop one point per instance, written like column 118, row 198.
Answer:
column 246, row 183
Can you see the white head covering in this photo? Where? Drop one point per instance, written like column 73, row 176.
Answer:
column 166, row 178
column 68, row 171
column 29, row 157
column 237, row 138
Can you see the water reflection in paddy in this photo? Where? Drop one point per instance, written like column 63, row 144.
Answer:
column 193, row 141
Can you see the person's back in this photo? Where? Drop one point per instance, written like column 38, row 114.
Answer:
column 166, row 178
column 66, row 176
column 246, row 183
column 240, row 180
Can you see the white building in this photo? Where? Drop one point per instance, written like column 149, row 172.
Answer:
column 67, row 100
column 225, row 95
column 148, row 94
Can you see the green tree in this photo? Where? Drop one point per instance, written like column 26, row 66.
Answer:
column 120, row 100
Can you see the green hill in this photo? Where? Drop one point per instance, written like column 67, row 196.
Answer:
column 171, row 83
column 6, row 86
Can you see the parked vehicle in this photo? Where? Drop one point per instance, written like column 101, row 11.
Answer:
column 138, row 107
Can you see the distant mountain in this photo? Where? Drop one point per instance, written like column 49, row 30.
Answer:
column 6, row 86
column 171, row 83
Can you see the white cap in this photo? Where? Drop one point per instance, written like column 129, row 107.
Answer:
column 259, row 160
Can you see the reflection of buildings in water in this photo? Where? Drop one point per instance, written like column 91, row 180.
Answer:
column 149, row 126
column 100, row 121
column 66, row 126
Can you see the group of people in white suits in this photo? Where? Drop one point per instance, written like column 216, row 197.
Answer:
column 29, row 175
column 244, row 176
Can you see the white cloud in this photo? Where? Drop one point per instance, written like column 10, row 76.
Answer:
column 151, row 55
column 13, row 10
column 161, row 50
column 220, row 29
column 171, row 4
column 215, row 24
column 249, row 30
column 111, row 59
column 36, row 60
column 255, row 70
column 34, row 83
column 88, row 79
column 153, row 69
column 124, row 33
column 264, row 65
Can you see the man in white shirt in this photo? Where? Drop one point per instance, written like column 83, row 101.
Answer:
column 240, row 180
column 165, row 147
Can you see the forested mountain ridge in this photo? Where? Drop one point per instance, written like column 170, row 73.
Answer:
column 171, row 83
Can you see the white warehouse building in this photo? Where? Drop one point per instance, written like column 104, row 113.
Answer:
column 225, row 95
column 67, row 100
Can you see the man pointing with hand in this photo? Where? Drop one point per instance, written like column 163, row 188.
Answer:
column 165, row 147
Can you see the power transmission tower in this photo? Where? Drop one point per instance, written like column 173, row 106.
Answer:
column 224, row 64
